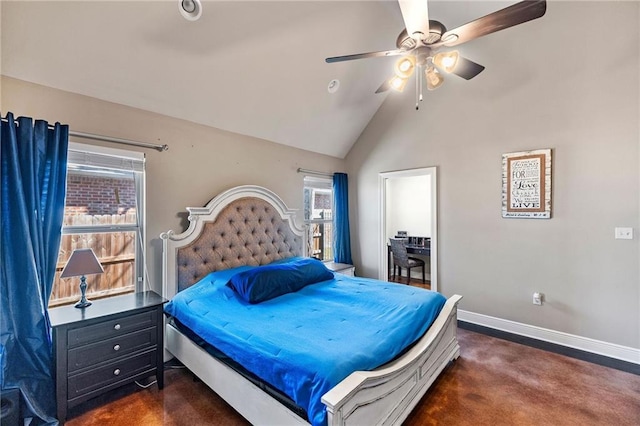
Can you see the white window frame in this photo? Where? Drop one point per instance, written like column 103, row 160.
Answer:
column 319, row 183
column 117, row 159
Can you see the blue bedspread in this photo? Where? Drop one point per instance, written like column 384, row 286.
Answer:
column 304, row 343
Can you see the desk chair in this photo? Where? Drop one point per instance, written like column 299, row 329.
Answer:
column 402, row 260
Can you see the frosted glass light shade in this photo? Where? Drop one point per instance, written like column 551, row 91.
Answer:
column 434, row 78
column 398, row 83
column 446, row 61
column 404, row 67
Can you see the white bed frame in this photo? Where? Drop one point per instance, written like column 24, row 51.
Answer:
column 383, row 396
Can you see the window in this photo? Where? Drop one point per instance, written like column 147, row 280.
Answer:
column 104, row 211
column 318, row 215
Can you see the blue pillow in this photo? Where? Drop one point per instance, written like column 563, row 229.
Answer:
column 266, row 282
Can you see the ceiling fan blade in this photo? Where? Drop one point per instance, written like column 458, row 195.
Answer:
column 416, row 17
column 467, row 69
column 366, row 55
column 384, row 87
column 516, row 14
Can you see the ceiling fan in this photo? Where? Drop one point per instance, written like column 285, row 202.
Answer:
column 420, row 44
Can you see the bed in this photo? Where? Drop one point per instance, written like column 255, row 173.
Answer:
column 244, row 229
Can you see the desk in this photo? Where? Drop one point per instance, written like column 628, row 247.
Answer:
column 411, row 249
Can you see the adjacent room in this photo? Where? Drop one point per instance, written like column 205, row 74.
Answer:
column 320, row 212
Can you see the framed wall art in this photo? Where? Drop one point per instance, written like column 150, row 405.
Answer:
column 526, row 184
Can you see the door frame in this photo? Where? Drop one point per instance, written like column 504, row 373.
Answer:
column 382, row 243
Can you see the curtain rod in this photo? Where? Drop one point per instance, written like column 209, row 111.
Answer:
column 158, row 147
column 313, row 172
column 84, row 135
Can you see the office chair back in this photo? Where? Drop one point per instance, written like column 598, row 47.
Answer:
column 402, row 260
column 399, row 252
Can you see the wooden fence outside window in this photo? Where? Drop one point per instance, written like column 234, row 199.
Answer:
column 116, row 251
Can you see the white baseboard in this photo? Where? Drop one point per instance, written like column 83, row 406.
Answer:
column 586, row 344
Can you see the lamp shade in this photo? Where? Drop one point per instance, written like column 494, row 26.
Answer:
column 82, row 262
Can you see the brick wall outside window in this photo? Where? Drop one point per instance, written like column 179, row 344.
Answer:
column 99, row 195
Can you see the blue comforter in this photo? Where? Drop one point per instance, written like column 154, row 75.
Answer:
column 306, row 342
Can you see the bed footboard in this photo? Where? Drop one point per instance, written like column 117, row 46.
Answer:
column 251, row 402
column 387, row 395
column 384, row 396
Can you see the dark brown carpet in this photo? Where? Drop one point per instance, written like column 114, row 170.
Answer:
column 494, row 382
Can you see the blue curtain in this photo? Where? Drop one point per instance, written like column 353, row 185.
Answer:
column 342, row 240
column 33, row 170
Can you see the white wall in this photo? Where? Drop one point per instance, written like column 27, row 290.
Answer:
column 409, row 206
column 200, row 163
column 569, row 87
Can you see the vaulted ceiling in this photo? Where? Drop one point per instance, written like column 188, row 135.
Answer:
column 254, row 68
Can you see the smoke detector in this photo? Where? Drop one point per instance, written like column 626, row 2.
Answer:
column 190, row 9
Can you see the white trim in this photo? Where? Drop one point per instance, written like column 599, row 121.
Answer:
column 586, row 344
column 110, row 158
column 382, row 243
column 125, row 153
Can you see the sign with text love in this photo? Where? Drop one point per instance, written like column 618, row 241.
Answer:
column 526, row 184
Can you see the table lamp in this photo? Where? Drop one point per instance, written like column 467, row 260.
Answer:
column 82, row 262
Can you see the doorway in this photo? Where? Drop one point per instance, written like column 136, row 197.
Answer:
column 408, row 202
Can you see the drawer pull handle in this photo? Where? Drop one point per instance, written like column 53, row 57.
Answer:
column 116, row 327
column 116, row 348
column 116, row 372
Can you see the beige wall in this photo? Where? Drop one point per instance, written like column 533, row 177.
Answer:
column 201, row 161
column 568, row 86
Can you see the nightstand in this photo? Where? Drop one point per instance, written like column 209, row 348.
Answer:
column 341, row 268
column 113, row 342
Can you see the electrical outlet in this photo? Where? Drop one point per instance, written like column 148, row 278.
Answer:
column 624, row 233
column 538, row 298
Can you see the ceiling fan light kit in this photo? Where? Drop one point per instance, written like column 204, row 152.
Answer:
column 420, row 42
column 447, row 61
column 190, row 9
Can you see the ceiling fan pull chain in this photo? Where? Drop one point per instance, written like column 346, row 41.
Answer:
column 417, row 87
column 419, row 76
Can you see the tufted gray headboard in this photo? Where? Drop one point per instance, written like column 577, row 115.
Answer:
column 246, row 225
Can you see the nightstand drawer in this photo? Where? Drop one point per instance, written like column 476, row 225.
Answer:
column 82, row 384
column 111, row 328
column 95, row 353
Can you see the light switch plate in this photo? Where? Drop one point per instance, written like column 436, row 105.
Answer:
column 624, row 233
